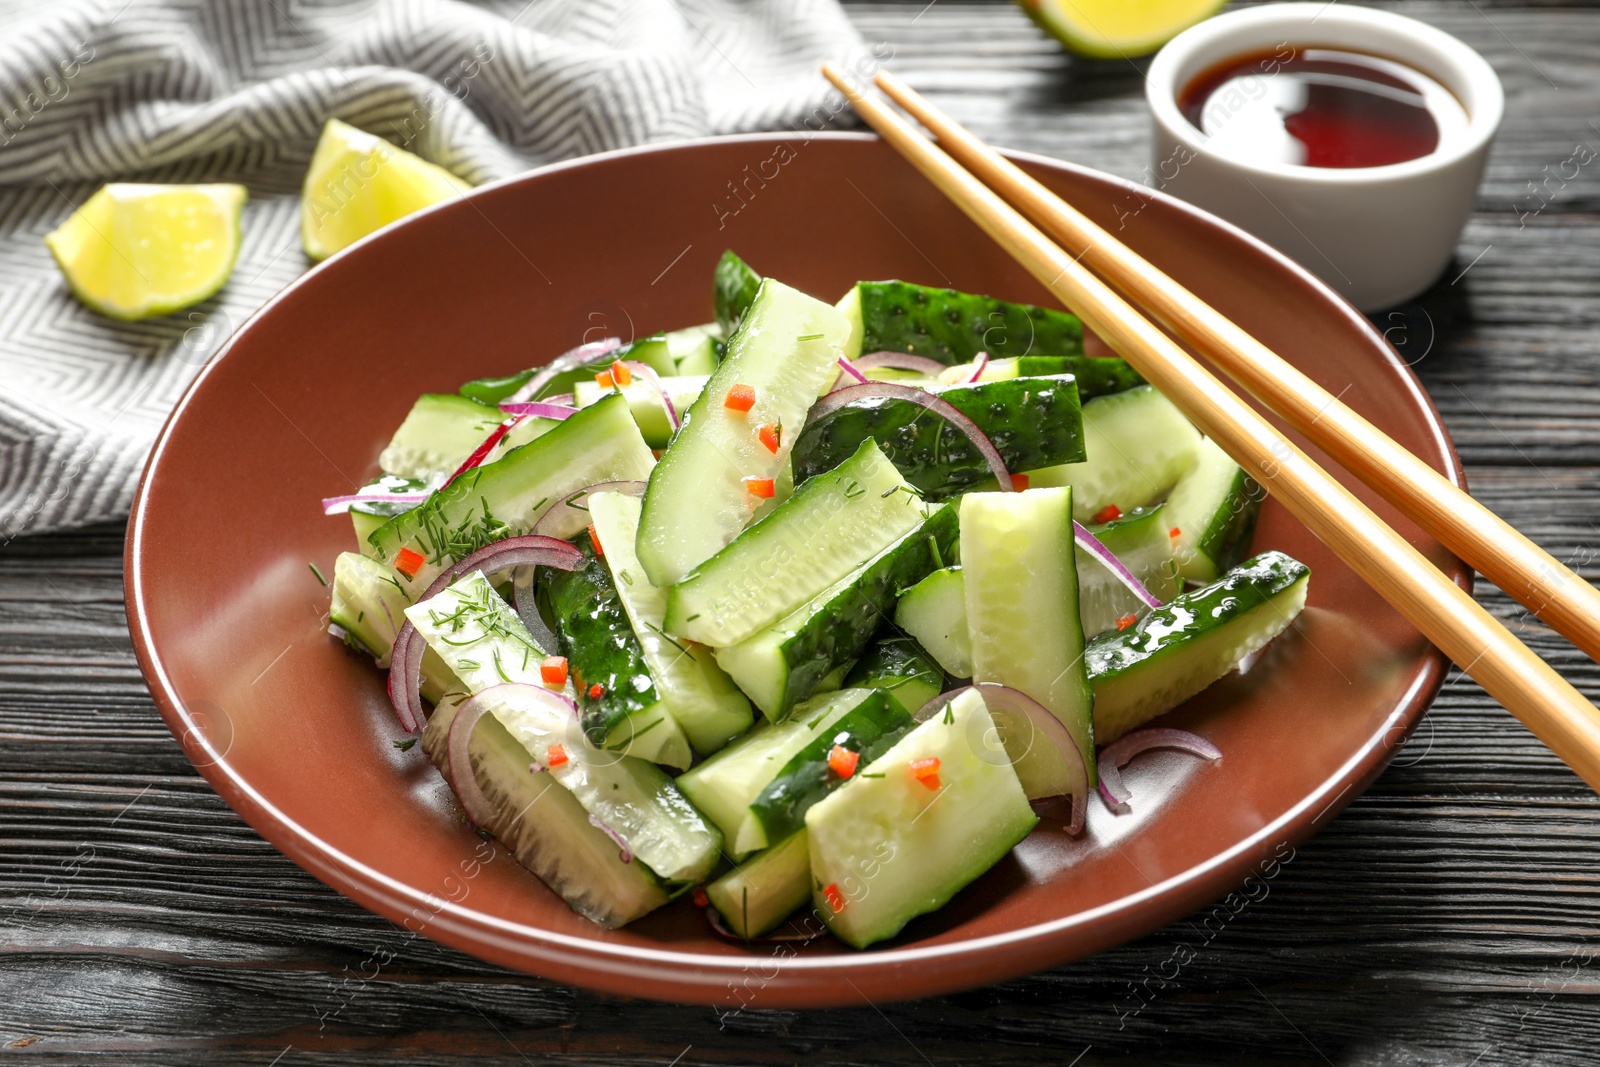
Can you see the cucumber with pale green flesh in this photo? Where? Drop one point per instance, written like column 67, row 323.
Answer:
column 765, row 889
column 1019, row 568
column 895, row 663
column 1180, row 648
column 617, row 698
column 544, row 827
column 440, row 431
column 1139, row 446
column 890, row 845
column 696, row 349
column 1141, row 541
column 724, row 785
column 504, row 498
column 733, row 290
column 370, row 606
column 934, row 611
column 954, row 327
column 1033, row 422
column 653, row 351
column 367, row 515
column 869, row 730
column 703, row 700
column 699, row 498
column 1096, row 375
column 482, row 639
column 788, row 661
column 644, row 400
column 832, row 525
column 1214, row 508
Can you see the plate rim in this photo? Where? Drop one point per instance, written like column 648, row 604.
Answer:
column 701, row 979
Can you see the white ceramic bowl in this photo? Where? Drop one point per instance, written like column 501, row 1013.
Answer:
column 1377, row 235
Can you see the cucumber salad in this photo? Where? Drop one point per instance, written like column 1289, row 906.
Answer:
column 810, row 611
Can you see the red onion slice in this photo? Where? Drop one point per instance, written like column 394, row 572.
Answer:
column 900, row 361
column 654, row 379
column 529, row 550
column 837, row 399
column 1116, row 755
column 572, row 359
column 626, row 854
column 850, row 369
column 979, row 365
column 1017, row 703
column 565, row 520
column 481, row 453
column 458, row 753
column 542, row 409
column 1093, row 545
column 338, row 505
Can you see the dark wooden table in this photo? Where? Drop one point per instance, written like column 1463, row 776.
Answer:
column 1448, row 917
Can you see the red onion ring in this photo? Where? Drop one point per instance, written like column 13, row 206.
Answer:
column 850, row 369
column 1039, row 717
column 338, row 505
column 980, row 365
column 720, row 928
column 458, row 753
column 542, row 409
column 571, row 359
column 1093, row 545
column 626, row 854
column 654, row 379
column 1116, row 755
column 837, row 399
column 900, row 361
column 529, row 550
column 563, row 521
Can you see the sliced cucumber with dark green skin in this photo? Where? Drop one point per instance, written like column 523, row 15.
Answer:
column 1033, row 422
column 440, row 431
column 953, row 327
column 1141, row 541
column 544, row 826
column 869, row 729
column 644, row 400
column 789, row 661
column 1018, row 563
column 831, row 526
column 890, row 845
column 733, row 290
column 1179, row 649
column 1214, row 508
column 700, row 495
column 1096, row 375
column 502, row 499
column 617, row 698
column 903, row 669
column 934, row 611
column 723, row 786
column 765, row 889
column 1139, row 445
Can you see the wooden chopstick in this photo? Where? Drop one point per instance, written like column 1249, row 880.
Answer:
column 1496, row 549
column 1551, row 708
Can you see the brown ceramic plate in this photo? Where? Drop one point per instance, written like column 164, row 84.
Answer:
column 295, row 733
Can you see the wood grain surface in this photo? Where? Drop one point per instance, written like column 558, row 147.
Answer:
column 1450, row 916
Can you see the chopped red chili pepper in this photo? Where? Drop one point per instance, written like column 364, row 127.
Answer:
column 556, row 755
column 926, row 771
column 603, row 379
column 596, row 691
column 621, row 373
column 842, row 761
column 700, row 898
column 594, row 539
column 768, row 435
column 1108, row 513
column 1174, row 532
column 408, row 562
column 1019, row 482
column 762, row 487
column 836, row 899
column 553, row 670
column 740, row 398
column 1126, row 621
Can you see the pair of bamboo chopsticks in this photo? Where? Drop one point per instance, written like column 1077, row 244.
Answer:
column 1527, row 686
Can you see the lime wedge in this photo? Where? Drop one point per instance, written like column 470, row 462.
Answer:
column 1117, row 29
column 358, row 183
column 137, row 251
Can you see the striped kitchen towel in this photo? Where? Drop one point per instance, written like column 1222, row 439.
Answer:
column 238, row 90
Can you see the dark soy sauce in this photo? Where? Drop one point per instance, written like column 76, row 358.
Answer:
column 1321, row 107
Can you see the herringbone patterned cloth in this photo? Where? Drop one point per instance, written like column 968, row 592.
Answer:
column 237, row 90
